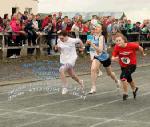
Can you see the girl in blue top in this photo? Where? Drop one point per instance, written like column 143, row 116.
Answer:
column 98, row 46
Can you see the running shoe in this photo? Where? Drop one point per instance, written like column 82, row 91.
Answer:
column 135, row 92
column 125, row 96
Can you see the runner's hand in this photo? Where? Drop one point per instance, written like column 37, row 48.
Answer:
column 88, row 42
column 144, row 54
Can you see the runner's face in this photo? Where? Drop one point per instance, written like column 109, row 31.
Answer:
column 119, row 41
column 63, row 38
column 98, row 30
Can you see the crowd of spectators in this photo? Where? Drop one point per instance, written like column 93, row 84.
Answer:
column 24, row 28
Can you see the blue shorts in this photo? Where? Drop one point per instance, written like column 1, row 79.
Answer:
column 105, row 63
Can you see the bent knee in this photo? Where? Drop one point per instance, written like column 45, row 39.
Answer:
column 94, row 69
column 109, row 73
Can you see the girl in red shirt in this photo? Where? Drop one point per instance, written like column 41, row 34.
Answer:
column 126, row 54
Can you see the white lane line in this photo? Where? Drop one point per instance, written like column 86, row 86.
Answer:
column 84, row 117
column 103, row 77
column 75, row 116
column 65, row 115
column 29, row 97
column 24, row 98
column 128, row 114
column 57, row 102
column 48, row 104
column 64, row 101
column 51, row 93
column 99, row 123
column 86, row 108
column 42, row 120
column 139, row 111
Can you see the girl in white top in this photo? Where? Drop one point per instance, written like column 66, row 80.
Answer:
column 68, row 57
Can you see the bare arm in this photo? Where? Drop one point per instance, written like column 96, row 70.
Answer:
column 98, row 49
column 142, row 51
column 81, row 46
column 56, row 48
column 116, row 59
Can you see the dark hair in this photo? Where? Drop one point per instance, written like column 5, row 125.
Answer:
column 122, row 36
column 65, row 16
column 50, row 16
column 63, row 33
column 5, row 16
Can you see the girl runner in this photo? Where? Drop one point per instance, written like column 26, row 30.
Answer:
column 68, row 57
column 93, row 52
column 98, row 45
column 126, row 54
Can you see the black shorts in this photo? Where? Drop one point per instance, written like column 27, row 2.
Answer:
column 126, row 73
column 105, row 63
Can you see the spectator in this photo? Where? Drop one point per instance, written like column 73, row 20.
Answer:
column 136, row 27
column 64, row 23
column 69, row 25
column 46, row 20
column 39, row 20
column 75, row 28
column 29, row 28
column 59, row 15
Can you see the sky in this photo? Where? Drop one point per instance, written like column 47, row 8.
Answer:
column 136, row 10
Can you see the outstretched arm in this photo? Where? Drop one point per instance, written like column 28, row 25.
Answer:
column 56, row 48
column 116, row 59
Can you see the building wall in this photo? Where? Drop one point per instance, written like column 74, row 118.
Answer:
column 7, row 5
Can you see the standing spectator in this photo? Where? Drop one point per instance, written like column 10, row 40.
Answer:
column 59, row 15
column 69, row 25
column 46, row 20
column 75, row 28
column 5, row 20
column 59, row 25
column 16, row 29
column 85, row 28
column 54, row 22
column 24, row 16
column 129, row 26
column 29, row 28
column 136, row 27
column 64, row 23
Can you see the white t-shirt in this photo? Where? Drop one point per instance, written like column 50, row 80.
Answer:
column 68, row 50
column 35, row 23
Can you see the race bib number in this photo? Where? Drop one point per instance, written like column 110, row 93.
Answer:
column 125, row 60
